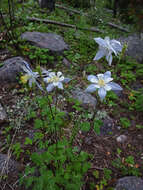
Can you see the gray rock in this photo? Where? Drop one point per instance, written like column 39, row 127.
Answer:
column 107, row 127
column 135, row 46
column 137, row 85
column 129, row 183
column 3, row 116
column 11, row 69
column 121, row 138
column 86, row 99
column 53, row 42
column 8, row 165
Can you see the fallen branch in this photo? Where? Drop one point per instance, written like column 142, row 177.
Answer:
column 67, row 9
column 33, row 19
column 118, row 27
column 109, row 23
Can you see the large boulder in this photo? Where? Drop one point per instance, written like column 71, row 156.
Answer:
column 129, row 183
column 135, row 46
column 53, row 42
column 87, row 100
column 11, row 69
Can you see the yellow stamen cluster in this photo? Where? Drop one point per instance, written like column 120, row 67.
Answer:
column 101, row 82
column 53, row 79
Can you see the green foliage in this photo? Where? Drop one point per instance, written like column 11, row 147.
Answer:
column 137, row 98
column 85, row 126
column 127, row 167
column 97, row 125
column 28, row 141
column 107, row 173
column 91, row 68
column 60, row 167
column 125, row 122
column 111, row 99
column 40, row 55
column 127, row 67
column 17, row 150
column 139, row 126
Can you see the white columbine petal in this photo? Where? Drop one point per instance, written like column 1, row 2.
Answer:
column 106, row 48
column 102, row 93
column 45, row 73
column 50, row 87
column 100, row 41
column 92, row 78
column 102, row 83
column 61, row 78
column 91, row 88
column 32, row 76
column 107, row 87
column 101, row 53
column 59, row 74
column 109, row 58
column 115, row 86
column 116, row 45
column 66, row 80
column 109, row 45
column 60, row 85
column 107, row 73
column 52, row 74
column 97, row 86
column 46, row 79
column 30, row 82
column 107, row 79
column 55, row 80
column 55, row 83
column 100, row 76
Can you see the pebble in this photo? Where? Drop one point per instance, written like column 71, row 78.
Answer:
column 121, row 138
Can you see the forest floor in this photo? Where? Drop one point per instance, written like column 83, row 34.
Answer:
column 109, row 158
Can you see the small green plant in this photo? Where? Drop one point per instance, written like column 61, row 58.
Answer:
column 127, row 166
column 97, row 125
column 139, row 126
column 125, row 122
column 17, row 150
column 40, row 55
column 85, row 126
column 104, row 181
column 137, row 98
column 60, row 167
column 91, row 68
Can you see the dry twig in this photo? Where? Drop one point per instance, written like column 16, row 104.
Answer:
column 92, row 29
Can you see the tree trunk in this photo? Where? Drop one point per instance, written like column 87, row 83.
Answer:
column 49, row 4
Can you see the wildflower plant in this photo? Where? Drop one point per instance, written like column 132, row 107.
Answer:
column 55, row 80
column 103, row 83
column 106, row 48
column 30, row 76
column 56, row 170
column 51, row 122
